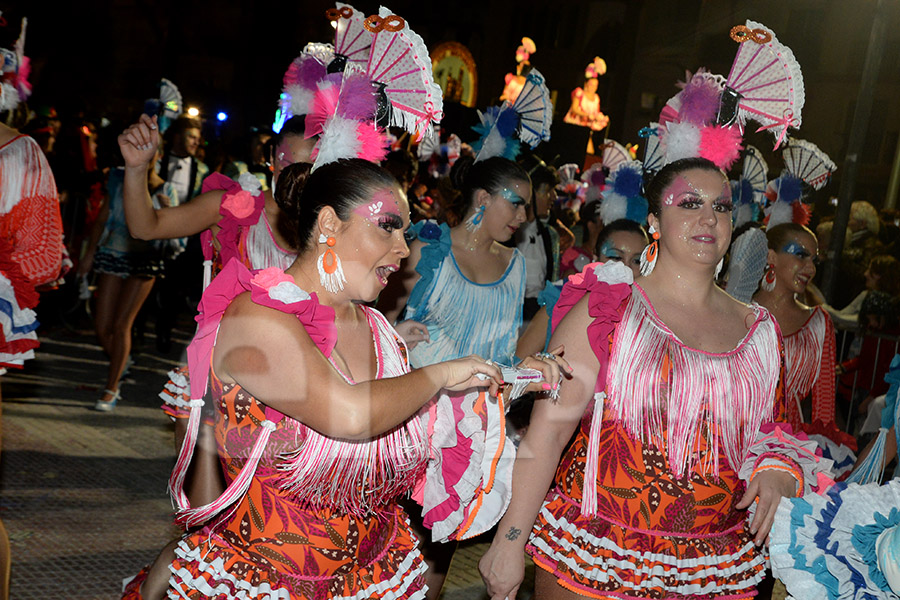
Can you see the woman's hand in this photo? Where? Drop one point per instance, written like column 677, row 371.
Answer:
column 139, row 142
column 552, row 366
column 769, row 486
column 503, row 566
column 471, row 372
column 412, row 333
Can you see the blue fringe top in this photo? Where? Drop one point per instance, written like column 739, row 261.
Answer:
column 463, row 317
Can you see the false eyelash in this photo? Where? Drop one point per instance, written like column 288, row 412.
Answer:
column 392, row 221
column 409, row 235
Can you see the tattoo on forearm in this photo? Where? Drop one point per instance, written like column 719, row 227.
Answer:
column 513, row 533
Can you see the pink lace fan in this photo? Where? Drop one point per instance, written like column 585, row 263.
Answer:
column 399, row 63
column 352, row 40
column 804, row 160
column 765, row 83
column 614, row 154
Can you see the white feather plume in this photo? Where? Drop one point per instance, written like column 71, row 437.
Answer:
column 339, row 140
column 613, row 207
column 682, row 140
column 779, row 213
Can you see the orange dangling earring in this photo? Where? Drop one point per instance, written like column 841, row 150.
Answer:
column 331, row 273
column 768, row 280
column 650, row 253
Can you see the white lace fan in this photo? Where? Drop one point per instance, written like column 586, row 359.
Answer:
column 765, row 83
column 535, row 110
column 755, row 170
column 429, row 145
column 400, row 63
column 352, row 40
column 614, row 154
column 806, row 161
column 654, row 153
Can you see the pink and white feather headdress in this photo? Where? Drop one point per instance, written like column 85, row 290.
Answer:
column 393, row 86
column 14, row 70
column 302, row 78
column 707, row 117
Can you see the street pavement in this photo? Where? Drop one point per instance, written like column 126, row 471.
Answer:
column 83, row 493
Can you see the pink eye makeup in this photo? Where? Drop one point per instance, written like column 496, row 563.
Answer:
column 382, row 211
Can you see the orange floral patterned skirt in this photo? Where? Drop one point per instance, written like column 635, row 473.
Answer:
column 654, row 535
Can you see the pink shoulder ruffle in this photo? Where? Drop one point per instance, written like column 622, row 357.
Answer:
column 608, row 285
column 241, row 206
column 281, row 294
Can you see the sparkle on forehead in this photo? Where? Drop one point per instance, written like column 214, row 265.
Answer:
column 383, row 201
column 511, row 196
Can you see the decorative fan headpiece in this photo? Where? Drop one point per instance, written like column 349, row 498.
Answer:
column 393, row 87
column 614, row 154
column 14, row 70
column 595, row 69
column 529, row 117
column 352, row 40
column 707, row 117
column 400, row 65
column 654, row 155
column 765, row 83
column 168, row 106
column 441, row 156
column 623, row 197
column 806, row 161
column 748, row 194
column 568, row 179
column 804, row 164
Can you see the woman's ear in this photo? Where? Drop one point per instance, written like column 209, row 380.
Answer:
column 482, row 198
column 770, row 257
column 328, row 222
column 653, row 221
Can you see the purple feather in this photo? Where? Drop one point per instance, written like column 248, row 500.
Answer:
column 627, row 180
column 357, row 99
column 306, row 71
column 699, row 101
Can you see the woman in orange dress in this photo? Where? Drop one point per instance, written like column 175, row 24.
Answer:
column 650, row 500
column 313, row 398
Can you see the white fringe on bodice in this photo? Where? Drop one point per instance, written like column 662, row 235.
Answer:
column 802, row 357
column 723, row 397
column 262, row 249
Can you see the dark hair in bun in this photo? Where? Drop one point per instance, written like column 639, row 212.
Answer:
column 491, row 175
column 342, row 185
